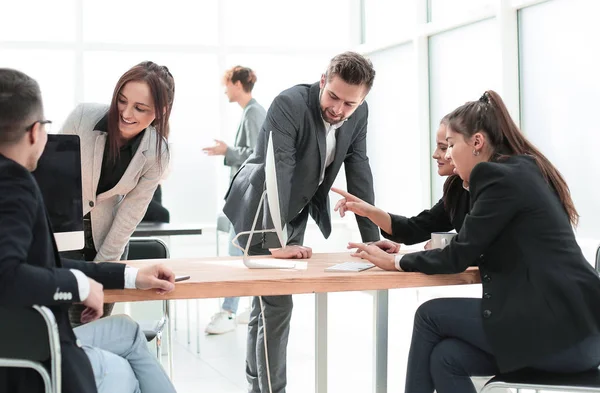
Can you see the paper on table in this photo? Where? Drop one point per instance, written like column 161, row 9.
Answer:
column 275, row 263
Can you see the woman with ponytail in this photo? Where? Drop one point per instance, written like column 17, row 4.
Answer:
column 541, row 298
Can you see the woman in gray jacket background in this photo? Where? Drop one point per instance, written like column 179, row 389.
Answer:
column 124, row 154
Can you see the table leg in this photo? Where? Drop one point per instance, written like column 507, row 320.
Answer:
column 321, row 342
column 170, row 333
column 197, row 326
column 187, row 316
column 380, row 308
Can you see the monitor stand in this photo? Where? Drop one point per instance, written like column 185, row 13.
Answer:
column 255, row 263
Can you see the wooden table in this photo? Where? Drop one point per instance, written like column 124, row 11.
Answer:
column 159, row 229
column 228, row 277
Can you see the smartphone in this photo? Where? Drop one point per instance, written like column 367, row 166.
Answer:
column 181, row 278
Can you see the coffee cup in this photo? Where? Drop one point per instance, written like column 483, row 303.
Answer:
column 441, row 239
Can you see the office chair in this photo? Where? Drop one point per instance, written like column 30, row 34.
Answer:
column 150, row 248
column 588, row 381
column 32, row 346
column 222, row 226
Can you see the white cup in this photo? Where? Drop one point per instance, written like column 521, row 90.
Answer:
column 441, row 239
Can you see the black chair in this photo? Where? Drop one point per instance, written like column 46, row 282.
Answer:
column 150, row 248
column 29, row 339
column 588, row 381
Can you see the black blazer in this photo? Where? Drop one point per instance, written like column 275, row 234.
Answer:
column 31, row 272
column 540, row 295
column 156, row 211
column 295, row 120
column 437, row 219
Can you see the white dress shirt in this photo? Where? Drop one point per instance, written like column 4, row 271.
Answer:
column 397, row 259
column 329, row 145
column 83, row 283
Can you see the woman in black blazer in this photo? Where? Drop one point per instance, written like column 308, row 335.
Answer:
column 446, row 215
column 541, row 298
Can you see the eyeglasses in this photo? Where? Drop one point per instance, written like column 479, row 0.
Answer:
column 47, row 123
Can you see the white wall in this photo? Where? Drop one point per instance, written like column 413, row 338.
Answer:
column 463, row 63
column 77, row 49
column 393, row 139
column 560, row 86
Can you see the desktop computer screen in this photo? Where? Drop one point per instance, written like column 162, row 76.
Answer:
column 272, row 194
column 58, row 175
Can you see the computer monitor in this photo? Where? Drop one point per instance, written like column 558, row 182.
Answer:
column 58, row 175
column 272, row 194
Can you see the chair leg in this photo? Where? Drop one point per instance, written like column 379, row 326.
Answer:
column 174, row 315
column 159, row 347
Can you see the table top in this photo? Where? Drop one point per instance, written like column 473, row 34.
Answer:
column 161, row 229
column 227, row 276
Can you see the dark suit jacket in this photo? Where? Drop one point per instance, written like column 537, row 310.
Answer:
column 437, row 219
column 540, row 295
column 295, row 120
column 31, row 272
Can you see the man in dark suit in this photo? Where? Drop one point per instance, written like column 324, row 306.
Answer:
column 315, row 129
column 108, row 355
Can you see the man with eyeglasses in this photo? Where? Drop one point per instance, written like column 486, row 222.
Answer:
column 108, row 355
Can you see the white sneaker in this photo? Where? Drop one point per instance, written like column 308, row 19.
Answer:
column 244, row 316
column 221, row 322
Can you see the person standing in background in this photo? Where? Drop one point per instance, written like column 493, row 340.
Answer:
column 239, row 82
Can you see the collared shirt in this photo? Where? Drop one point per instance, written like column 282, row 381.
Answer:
column 112, row 171
column 330, row 141
column 83, row 283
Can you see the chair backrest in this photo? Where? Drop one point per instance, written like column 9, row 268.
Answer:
column 223, row 223
column 28, row 337
column 597, row 263
column 147, row 248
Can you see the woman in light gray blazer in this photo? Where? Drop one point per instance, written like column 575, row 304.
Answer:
column 124, row 154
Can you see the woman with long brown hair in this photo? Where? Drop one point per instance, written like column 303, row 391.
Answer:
column 446, row 215
column 541, row 298
column 124, row 154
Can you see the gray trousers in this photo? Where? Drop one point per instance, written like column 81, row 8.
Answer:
column 278, row 314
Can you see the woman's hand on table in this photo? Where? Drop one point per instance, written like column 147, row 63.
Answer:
column 374, row 254
column 388, row 246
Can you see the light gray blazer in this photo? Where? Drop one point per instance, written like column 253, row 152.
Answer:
column 116, row 212
column 253, row 118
